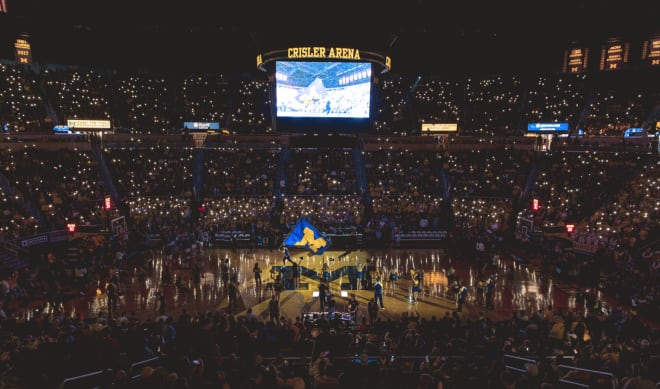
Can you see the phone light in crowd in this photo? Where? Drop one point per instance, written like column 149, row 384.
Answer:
column 570, row 228
column 71, row 227
column 535, row 204
column 315, row 294
column 107, row 203
column 344, row 293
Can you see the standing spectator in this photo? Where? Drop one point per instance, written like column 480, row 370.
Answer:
column 367, row 281
column 80, row 273
column 53, row 286
column 197, row 274
column 490, row 286
column 323, row 294
column 167, row 277
column 451, row 274
column 205, row 239
column 295, row 274
column 112, row 291
column 372, row 310
column 257, row 278
column 232, row 291
column 276, row 276
column 142, row 283
column 162, row 304
column 225, row 274
column 378, row 293
column 331, row 304
column 461, row 296
column 353, row 307
column 274, row 310
column 287, row 276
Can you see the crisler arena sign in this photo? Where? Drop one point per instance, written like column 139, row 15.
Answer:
column 323, row 53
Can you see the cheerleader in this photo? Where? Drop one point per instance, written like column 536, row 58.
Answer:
column 325, row 270
column 276, row 276
column 414, row 274
column 420, row 277
column 286, row 257
column 360, row 275
column 257, row 278
column 393, row 278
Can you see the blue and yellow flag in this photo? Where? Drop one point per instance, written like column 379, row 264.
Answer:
column 305, row 236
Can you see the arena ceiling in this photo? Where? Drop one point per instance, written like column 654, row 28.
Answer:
column 421, row 36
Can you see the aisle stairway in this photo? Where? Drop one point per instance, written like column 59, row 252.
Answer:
column 106, row 176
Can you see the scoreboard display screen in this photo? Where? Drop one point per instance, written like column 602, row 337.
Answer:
column 322, row 96
column 322, row 89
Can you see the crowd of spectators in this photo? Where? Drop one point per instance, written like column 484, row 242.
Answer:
column 42, row 96
column 613, row 108
column 403, row 172
column 15, row 218
column 489, row 173
column 78, row 93
column 617, row 342
column 251, row 111
column 207, row 349
column 205, row 98
column 151, row 171
column 556, row 98
column 327, row 172
column 64, row 186
column 239, row 172
column 167, row 191
column 493, row 105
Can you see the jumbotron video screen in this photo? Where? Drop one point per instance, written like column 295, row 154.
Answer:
column 317, row 95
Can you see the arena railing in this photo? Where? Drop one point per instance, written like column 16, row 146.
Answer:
column 136, row 367
column 567, row 379
column 516, row 359
column 97, row 379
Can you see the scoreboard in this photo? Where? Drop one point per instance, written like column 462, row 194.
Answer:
column 323, row 89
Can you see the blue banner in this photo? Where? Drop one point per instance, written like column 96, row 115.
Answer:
column 305, row 236
column 547, row 127
column 201, row 126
